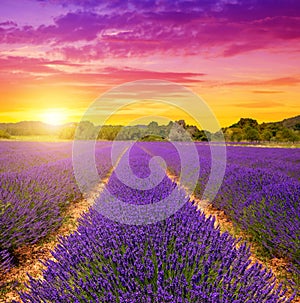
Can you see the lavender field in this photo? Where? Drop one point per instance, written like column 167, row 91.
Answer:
column 182, row 258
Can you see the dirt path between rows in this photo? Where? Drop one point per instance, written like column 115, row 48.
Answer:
column 29, row 256
column 278, row 266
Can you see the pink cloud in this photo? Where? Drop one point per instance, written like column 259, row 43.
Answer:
column 125, row 34
column 115, row 76
column 283, row 81
column 30, row 65
column 37, row 72
column 235, row 49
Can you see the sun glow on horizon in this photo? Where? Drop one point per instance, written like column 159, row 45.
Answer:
column 54, row 116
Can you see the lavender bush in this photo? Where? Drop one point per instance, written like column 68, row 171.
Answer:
column 183, row 258
column 33, row 197
column 261, row 194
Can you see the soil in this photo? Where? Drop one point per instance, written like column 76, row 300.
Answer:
column 278, row 266
column 30, row 256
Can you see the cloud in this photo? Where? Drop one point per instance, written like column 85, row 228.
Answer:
column 125, row 29
column 284, row 81
column 116, row 76
column 8, row 23
column 264, row 104
column 12, row 64
column 39, row 72
column 267, row 91
column 137, row 74
column 235, row 49
column 230, row 9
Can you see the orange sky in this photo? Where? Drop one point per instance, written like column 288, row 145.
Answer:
column 55, row 60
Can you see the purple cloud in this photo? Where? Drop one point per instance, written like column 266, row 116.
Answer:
column 134, row 28
column 8, row 23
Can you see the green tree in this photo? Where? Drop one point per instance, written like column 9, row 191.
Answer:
column 237, row 135
column 245, row 122
column 274, row 128
column 178, row 133
column 266, row 135
column 252, row 134
column 109, row 132
column 287, row 135
column 67, row 132
column 181, row 123
column 153, row 128
column 218, row 136
column 86, row 131
column 4, row 134
column 297, row 126
column 234, row 134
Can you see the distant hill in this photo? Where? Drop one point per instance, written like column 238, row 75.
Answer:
column 293, row 123
column 246, row 129
column 27, row 128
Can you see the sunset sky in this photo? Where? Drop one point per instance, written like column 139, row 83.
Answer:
column 241, row 57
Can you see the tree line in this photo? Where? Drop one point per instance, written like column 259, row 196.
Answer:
column 246, row 129
column 174, row 131
column 249, row 130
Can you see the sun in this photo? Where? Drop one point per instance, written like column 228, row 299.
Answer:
column 53, row 116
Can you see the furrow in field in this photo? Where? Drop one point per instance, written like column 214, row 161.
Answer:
column 186, row 233
column 32, row 257
column 277, row 265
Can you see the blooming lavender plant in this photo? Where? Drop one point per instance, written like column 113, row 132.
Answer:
column 261, row 194
column 183, row 258
column 33, row 198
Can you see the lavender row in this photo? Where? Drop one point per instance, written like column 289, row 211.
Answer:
column 183, row 258
column 33, row 201
column 260, row 192
column 20, row 156
column 285, row 161
column 266, row 205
